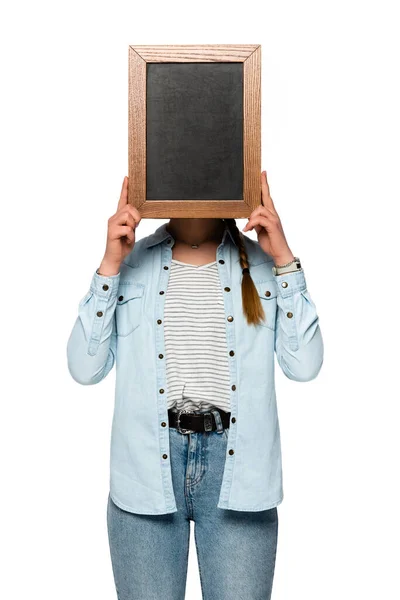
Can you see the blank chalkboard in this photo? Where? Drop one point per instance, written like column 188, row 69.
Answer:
column 194, row 131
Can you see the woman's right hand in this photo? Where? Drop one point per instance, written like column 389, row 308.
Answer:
column 120, row 234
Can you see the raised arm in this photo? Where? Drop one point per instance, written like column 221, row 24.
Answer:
column 91, row 347
column 298, row 341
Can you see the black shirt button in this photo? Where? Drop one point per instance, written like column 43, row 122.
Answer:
column 165, row 455
column 99, row 313
column 231, row 353
column 267, row 293
column 165, row 268
column 227, row 289
column 230, row 318
column 231, row 451
column 163, row 424
column 233, row 420
column 105, row 287
column 234, row 387
column 289, row 314
column 120, row 298
column 221, row 261
column 161, row 391
column 159, row 321
column 162, row 291
column 161, row 356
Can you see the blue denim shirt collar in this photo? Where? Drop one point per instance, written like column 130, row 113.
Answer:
column 161, row 234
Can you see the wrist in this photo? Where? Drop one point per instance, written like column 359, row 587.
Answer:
column 283, row 259
column 108, row 268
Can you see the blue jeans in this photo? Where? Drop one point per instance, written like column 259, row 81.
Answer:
column 236, row 550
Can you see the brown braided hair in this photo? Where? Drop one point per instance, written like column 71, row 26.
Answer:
column 251, row 302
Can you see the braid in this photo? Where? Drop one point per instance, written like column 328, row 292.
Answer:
column 252, row 307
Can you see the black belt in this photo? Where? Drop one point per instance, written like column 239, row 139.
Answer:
column 189, row 422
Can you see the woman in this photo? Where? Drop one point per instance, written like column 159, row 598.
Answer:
column 192, row 315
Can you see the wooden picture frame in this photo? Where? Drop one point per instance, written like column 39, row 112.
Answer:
column 139, row 57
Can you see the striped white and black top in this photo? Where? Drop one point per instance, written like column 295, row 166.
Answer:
column 197, row 365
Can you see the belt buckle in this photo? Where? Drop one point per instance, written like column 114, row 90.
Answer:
column 178, row 427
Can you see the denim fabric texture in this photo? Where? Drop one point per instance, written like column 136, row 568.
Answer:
column 120, row 322
column 235, row 550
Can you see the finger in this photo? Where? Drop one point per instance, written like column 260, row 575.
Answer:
column 123, row 230
column 264, row 182
column 265, row 193
column 124, row 217
column 130, row 236
column 134, row 212
column 123, row 199
column 262, row 210
column 131, row 210
column 259, row 220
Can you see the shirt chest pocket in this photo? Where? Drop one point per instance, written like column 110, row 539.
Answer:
column 268, row 295
column 129, row 309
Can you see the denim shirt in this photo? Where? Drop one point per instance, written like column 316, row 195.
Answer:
column 120, row 321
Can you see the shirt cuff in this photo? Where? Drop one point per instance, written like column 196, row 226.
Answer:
column 105, row 286
column 290, row 283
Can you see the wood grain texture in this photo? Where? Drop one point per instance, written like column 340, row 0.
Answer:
column 139, row 56
column 252, row 129
column 196, row 53
column 137, row 129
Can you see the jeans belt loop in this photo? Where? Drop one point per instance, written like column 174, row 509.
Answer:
column 208, row 422
column 218, row 420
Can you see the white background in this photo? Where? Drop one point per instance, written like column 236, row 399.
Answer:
column 330, row 126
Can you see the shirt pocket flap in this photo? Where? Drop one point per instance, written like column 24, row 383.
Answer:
column 267, row 289
column 129, row 309
column 128, row 291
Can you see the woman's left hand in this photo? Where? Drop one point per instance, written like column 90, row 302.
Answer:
column 265, row 220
